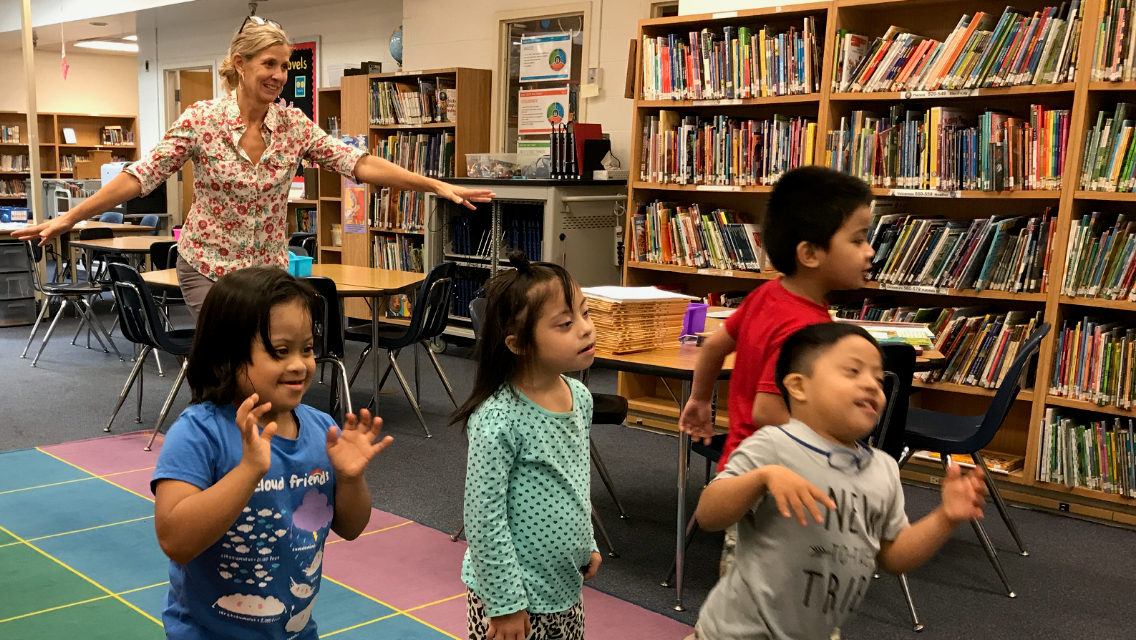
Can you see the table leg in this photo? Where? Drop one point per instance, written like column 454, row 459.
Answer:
column 376, row 361
column 680, row 545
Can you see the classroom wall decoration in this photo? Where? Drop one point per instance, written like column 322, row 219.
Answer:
column 546, row 57
column 300, row 90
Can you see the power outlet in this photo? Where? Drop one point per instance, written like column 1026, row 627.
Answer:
column 1064, row 506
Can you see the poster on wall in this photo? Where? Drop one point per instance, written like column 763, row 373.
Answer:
column 300, row 89
column 546, row 57
column 354, row 207
column 539, row 109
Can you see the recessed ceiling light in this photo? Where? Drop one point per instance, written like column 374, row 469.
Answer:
column 98, row 24
column 131, row 38
column 105, row 45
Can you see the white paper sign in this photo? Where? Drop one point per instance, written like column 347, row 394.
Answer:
column 539, row 109
column 546, row 57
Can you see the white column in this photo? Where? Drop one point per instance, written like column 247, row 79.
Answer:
column 36, row 190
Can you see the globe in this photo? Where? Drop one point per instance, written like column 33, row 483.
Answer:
column 396, row 46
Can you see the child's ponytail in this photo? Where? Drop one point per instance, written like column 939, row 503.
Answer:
column 514, row 299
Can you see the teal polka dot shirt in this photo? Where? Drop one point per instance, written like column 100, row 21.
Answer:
column 528, row 503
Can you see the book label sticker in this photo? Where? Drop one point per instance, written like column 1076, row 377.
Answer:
column 546, row 57
column 727, row 14
column 914, row 288
column 941, row 93
column 718, row 187
column 924, row 193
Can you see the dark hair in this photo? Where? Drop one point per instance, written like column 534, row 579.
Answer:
column 236, row 312
column 800, row 350
column 513, row 300
column 808, row 204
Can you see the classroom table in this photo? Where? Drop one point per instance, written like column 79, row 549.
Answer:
column 134, row 247
column 677, row 363
column 67, row 240
column 350, row 282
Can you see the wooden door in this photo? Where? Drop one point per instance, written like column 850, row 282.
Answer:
column 193, row 86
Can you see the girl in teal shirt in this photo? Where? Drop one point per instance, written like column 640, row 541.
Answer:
column 527, row 493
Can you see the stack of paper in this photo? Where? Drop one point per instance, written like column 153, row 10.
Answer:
column 630, row 319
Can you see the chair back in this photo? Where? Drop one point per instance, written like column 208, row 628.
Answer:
column 477, row 315
column 132, row 315
column 309, row 245
column 160, row 255
column 297, row 239
column 1011, row 385
column 111, row 216
column 298, row 251
column 97, row 233
column 35, row 254
column 147, row 315
column 434, row 323
column 329, row 338
column 151, row 220
column 899, row 370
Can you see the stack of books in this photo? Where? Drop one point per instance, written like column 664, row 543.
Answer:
column 404, row 210
column 980, row 52
column 428, row 154
column 1095, row 362
column 404, row 103
column 116, row 135
column 1002, row 253
column 398, row 253
column 10, row 134
column 736, row 63
column 307, row 220
column 630, row 319
column 1097, row 454
column 14, row 163
column 1100, row 257
column 666, row 233
column 997, row 462
column 943, row 149
column 979, row 346
column 10, row 187
column 1109, row 162
column 724, row 151
column 1114, row 58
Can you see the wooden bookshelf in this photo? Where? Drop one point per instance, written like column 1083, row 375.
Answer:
column 471, row 135
column 1021, row 433
column 88, row 131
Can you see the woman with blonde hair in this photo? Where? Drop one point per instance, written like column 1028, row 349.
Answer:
column 245, row 148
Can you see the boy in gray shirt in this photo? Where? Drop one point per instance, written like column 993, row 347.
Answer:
column 800, row 580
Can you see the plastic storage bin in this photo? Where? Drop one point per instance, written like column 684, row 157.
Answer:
column 506, row 165
column 16, row 285
column 13, row 257
column 299, row 266
column 17, row 312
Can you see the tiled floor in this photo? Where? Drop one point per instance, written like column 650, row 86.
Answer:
column 77, row 536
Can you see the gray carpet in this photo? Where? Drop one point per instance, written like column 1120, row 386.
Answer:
column 1075, row 584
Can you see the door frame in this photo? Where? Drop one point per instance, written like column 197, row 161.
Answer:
column 167, row 106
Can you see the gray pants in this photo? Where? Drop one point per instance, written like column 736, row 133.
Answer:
column 194, row 286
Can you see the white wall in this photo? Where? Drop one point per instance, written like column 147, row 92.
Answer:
column 694, row 7
column 430, row 39
column 199, row 32
column 95, row 83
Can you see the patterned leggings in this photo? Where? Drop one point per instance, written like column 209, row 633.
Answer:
column 563, row 625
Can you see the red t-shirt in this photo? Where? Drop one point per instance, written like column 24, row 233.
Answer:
column 767, row 317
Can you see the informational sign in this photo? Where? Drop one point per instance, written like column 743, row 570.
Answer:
column 546, row 57
column 539, row 109
column 300, row 89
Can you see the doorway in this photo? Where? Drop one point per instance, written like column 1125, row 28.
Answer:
column 183, row 88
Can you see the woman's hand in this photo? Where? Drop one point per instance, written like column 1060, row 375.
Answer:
column 462, row 195
column 45, row 231
column 351, row 451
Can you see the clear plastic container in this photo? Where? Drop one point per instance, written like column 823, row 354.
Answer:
column 505, row 165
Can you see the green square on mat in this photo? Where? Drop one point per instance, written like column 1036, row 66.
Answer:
column 106, row 619
column 5, row 538
column 338, row 607
column 34, row 582
column 400, row 626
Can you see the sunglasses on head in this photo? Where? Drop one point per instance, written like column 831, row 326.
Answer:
column 257, row 20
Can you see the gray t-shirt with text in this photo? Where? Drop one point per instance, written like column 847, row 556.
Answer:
column 794, row 582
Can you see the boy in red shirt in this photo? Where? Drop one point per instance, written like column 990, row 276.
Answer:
column 815, row 231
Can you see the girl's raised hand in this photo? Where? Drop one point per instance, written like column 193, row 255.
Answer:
column 352, row 450
column 256, row 443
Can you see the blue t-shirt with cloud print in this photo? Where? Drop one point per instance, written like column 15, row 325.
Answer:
column 261, row 579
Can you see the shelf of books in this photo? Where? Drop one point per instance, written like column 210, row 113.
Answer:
column 1001, row 146
column 424, row 121
column 64, row 138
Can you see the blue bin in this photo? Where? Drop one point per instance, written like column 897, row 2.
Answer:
column 299, row 266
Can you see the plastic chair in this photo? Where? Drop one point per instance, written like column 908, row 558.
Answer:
column 76, row 294
column 950, row 434
column 330, row 347
column 137, row 304
column 298, row 251
column 112, row 217
column 151, row 220
column 427, row 321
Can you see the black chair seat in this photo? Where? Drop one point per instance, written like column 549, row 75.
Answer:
column 712, row 451
column 943, row 432
column 181, row 338
column 362, row 333
column 608, row 408
column 72, row 289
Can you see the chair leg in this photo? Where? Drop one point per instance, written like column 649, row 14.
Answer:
column 158, row 361
column 100, row 331
column 454, row 538
column 905, row 456
column 598, row 461
column 35, row 327
column 987, row 546
column 918, row 626
column 359, row 365
column 78, row 331
column 611, row 552
column 442, row 375
column 141, row 381
column 50, row 330
column 999, row 503
column 345, row 397
column 417, row 378
column 126, row 390
column 691, row 528
column 406, row 389
column 169, row 403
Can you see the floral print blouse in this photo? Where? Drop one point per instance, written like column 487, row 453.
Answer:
column 238, row 218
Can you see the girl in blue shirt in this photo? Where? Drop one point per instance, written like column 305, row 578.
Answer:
column 527, row 493
column 250, row 481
